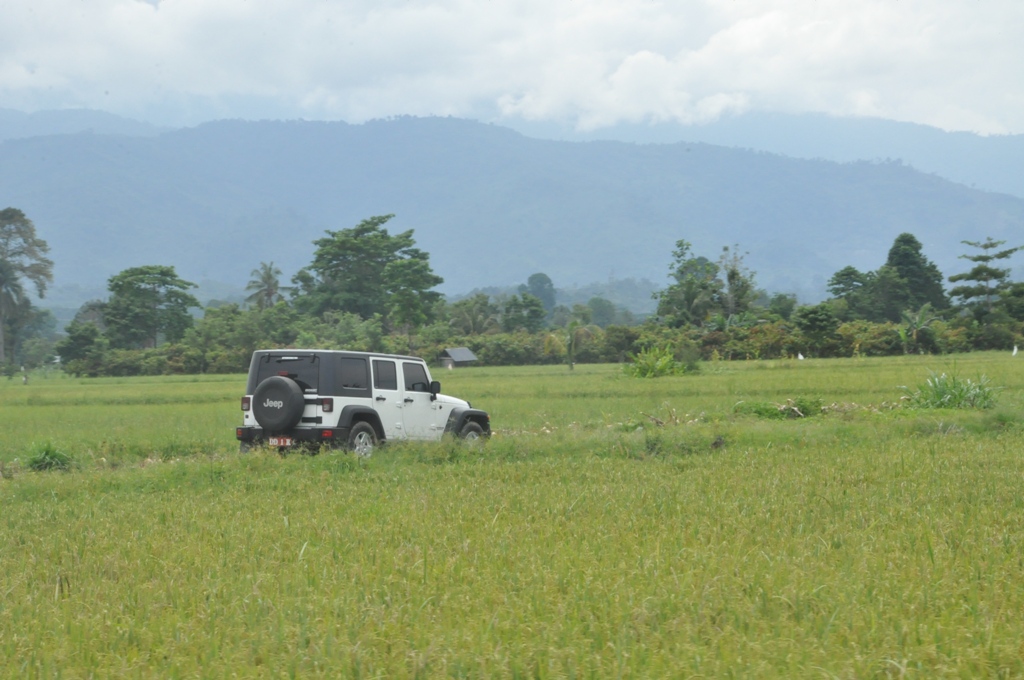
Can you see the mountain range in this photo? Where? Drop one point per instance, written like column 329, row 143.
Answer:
column 491, row 205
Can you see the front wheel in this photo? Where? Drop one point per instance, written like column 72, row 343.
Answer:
column 362, row 439
column 471, row 432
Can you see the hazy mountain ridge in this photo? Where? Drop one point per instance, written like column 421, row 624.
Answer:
column 490, row 205
column 992, row 163
column 19, row 125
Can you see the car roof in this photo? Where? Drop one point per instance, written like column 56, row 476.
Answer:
column 345, row 352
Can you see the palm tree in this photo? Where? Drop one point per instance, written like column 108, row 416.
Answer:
column 915, row 323
column 570, row 339
column 475, row 315
column 265, row 286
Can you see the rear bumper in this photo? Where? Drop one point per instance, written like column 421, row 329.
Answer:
column 307, row 435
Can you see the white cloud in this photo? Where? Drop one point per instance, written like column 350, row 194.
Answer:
column 950, row 63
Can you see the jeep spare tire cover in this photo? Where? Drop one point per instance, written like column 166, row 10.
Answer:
column 277, row 403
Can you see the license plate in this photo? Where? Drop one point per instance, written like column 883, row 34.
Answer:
column 279, row 441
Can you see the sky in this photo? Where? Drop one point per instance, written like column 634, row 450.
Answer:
column 590, row 64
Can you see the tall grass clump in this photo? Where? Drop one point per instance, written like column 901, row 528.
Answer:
column 799, row 407
column 655, row 362
column 46, row 456
column 948, row 390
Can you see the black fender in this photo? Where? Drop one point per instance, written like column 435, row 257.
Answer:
column 459, row 416
column 353, row 413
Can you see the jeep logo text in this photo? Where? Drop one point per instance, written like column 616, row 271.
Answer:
column 273, row 404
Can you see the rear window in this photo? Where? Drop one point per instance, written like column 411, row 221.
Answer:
column 303, row 369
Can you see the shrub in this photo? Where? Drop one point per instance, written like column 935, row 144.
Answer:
column 769, row 340
column 865, row 338
column 46, row 456
column 508, row 349
column 800, row 407
column 654, row 362
column 944, row 390
column 618, row 343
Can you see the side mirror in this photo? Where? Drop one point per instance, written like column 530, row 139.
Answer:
column 435, row 387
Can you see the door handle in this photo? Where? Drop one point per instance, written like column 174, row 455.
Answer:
column 408, row 400
column 380, row 398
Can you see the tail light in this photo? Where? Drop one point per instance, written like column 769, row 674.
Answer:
column 246, row 403
column 327, row 434
column 327, row 404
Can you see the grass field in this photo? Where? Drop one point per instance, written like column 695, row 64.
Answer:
column 612, row 527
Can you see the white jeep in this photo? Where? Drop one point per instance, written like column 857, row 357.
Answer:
column 353, row 399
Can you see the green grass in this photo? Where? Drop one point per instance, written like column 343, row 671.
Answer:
column 949, row 390
column 121, row 419
column 612, row 527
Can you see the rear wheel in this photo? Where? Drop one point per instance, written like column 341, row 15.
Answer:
column 362, row 439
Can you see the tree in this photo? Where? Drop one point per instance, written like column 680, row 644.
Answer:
column 22, row 256
column 923, row 278
column 915, row 332
column 523, row 312
column 577, row 333
column 846, row 283
column 907, row 280
column 265, row 285
column 147, row 303
column 408, row 303
column 12, row 301
column 817, row 323
column 692, row 297
column 92, row 312
column 739, row 291
column 474, row 315
column 540, row 286
column 985, row 280
column 603, row 312
column 365, row 270
column 1012, row 300
column 888, row 294
column 29, row 330
column 853, row 287
column 782, row 304
column 569, row 340
column 83, row 348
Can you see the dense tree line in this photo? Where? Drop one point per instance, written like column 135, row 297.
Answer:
column 368, row 289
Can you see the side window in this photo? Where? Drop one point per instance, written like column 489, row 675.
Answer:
column 385, row 375
column 415, row 377
column 352, row 374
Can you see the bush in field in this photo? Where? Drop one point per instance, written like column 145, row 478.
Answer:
column 865, row 338
column 617, row 343
column 952, row 337
column 770, row 340
column 818, row 324
column 944, row 390
column 507, row 349
column 799, row 407
column 47, row 456
column 654, row 362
